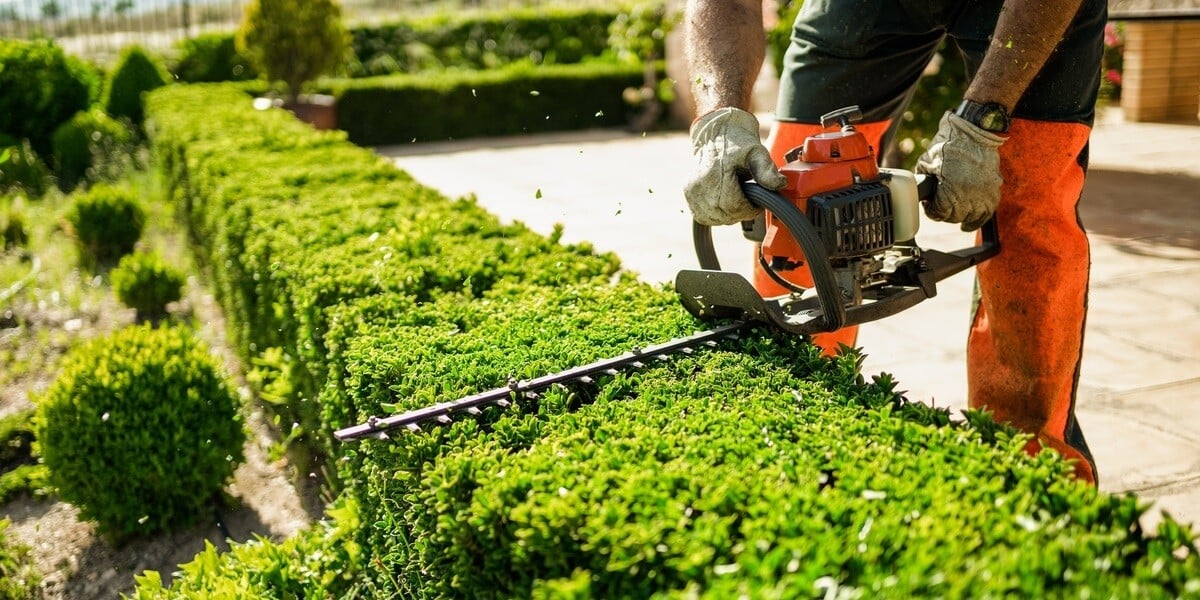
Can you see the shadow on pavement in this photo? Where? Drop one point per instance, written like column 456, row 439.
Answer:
column 1159, row 209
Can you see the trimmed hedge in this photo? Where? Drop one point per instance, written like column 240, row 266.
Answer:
column 754, row 469
column 460, row 104
column 481, row 41
column 487, row 40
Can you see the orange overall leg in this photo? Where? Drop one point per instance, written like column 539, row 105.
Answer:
column 1023, row 352
column 785, row 136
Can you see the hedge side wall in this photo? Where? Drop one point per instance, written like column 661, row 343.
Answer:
column 756, row 468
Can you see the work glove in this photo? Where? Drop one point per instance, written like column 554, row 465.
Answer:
column 728, row 151
column 966, row 161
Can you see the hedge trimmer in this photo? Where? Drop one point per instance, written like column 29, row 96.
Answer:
column 851, row 223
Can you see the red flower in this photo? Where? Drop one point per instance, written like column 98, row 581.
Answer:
column 1112, row 38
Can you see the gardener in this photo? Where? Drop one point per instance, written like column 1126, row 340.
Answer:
column 1016, row 146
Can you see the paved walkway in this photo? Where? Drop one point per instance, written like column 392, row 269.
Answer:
column 1139, row 399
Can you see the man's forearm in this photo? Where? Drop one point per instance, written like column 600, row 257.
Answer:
column 1026, row 34
column 725, row 45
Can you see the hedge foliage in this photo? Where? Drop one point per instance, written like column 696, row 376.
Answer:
column 462, row 41
column 19, row 578
column 136, row 72
column 92, row 147
column 64, row 86
column 755, row 469
column 548, row 35
column 459, row 104
column 105, row 223
column 146, row 283
column 23, row 172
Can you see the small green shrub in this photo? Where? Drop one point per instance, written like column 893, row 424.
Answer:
column 64, row 86
column 136, row 73
column 140, row 430
column 14, row 233
column 322, row 561
column 146, row 284
column 106, row 222
column 16, row 439
column 91, row 147
column 293, row 41
column 20, row 473
column 19, row 578
column 211, row 57
column 22, row 171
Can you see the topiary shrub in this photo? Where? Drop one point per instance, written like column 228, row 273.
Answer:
column 135, row 73
column 21, row 170
column 146, row 284
column 211, row 57
column 64, row 86
column 293, row 41
column 105, row 222
column 91, row 147
column 140, row 430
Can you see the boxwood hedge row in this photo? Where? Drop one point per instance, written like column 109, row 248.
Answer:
column 753, row 469
column 511, row 101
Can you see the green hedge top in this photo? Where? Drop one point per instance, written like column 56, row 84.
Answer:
column 756, row 468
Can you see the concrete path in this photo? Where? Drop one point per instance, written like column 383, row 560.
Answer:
column 1139, row 399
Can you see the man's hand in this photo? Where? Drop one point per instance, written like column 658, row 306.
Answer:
column 728, row 151
column 966, row 161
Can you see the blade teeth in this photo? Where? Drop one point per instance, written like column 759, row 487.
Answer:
column 637, row 364
column 471, row 410
column 381, row 435
column 687, row 350
column 531, row 395
column 444, row 420
column 413, row 427
column 611, row 371
column 587, row 380
column 502, row 403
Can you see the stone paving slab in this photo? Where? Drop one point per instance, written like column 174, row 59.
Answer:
column 1141, row 374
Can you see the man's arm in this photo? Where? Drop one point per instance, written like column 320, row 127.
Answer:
column 1026, row 34
column 725, row 45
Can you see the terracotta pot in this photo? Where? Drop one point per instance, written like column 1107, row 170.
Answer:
column 317, row 110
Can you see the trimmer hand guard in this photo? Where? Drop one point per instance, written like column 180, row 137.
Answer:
column 714, row 295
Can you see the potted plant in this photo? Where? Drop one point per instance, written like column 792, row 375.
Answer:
column 294, row 42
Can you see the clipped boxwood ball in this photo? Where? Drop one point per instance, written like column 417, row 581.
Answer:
column 143, row 282
column 141, row 430
column 106, row 222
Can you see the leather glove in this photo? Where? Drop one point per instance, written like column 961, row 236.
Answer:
column 728, row 150
column 966, row 161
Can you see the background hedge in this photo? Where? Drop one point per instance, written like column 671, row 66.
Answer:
column 462, row 104
column 756, row 468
